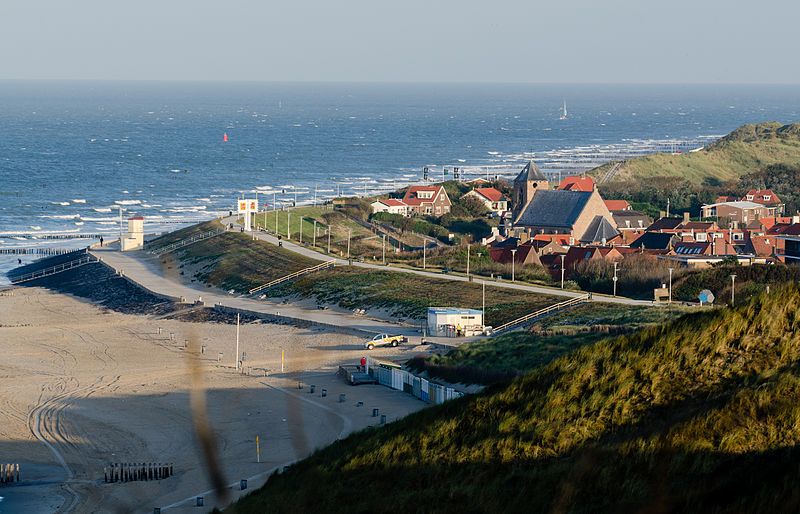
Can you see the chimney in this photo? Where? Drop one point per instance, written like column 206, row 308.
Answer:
column 686, row 218
column 795, row 219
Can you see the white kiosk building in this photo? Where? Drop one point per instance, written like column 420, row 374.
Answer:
column 134, row 238
column 454, row 322
column 247, row 208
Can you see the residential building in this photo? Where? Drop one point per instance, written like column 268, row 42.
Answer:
column 766, row 197
column 577, row 183
column 489, row 197
column 741, row 212
column 631, row 224
column 390, row 205
column 618, row 205
column 427, row 200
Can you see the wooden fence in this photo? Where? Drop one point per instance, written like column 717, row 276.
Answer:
column 136, row 471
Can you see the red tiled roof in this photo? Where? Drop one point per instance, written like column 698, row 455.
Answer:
column 617, row 205
column 577, row 183
column 411, row 196
column 136, row 218
column 763, row 246
column 768, row 223
column 758, row 195
column 490, row 193
column 392, row 202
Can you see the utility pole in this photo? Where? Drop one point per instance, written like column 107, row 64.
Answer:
column 275, row 208
column 670, row 285
column 314, row 240
column 483, row 303
column 237, row 341
column 349, row 233
column 513, row 263
column 424, row 251
column 563, row 256
column 301, row 230
column 329, row 239
column 288, row 224
column 468, row 260
column 733, row 289
column 383, row 249
column 615, row 279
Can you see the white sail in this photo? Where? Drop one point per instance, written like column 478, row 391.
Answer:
column 564, row 111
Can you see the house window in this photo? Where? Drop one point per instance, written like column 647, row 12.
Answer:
column 767, row 198
column 701, row 236
column 428, row 210
column 424, row 194
column 738, row 236
column 750, row 197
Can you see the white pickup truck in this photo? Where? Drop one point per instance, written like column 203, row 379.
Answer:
column 385, row 340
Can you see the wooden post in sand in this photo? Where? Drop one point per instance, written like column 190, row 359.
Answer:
column 237, row 341
column 258, row 451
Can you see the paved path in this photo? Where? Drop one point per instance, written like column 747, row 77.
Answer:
column 146, row 271
column 553, row 291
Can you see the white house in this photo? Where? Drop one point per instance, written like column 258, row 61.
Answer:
column 454, row 322
column 490, row 197
column 390, row 205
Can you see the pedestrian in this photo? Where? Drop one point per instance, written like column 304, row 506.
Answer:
column 363, row 364
column 101, row 241
column 19, row 261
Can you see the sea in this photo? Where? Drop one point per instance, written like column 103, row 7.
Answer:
column 76, row 157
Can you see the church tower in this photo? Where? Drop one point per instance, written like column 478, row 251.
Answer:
column 529, row 180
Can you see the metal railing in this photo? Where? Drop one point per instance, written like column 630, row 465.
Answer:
column 321, row 266
column 541, row 312
column 76, row 263
column 185, row 242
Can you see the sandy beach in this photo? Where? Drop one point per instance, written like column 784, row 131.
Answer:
column 84, row 386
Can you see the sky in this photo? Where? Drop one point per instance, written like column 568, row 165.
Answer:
column 554, row 41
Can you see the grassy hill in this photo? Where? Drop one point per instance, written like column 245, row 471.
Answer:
column 746, row 149
column 701, row 414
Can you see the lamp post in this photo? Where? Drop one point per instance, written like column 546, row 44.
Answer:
column 314, row 240
column 383, row 250
column 483, row 303
column 563, row 256
column 275, row 208
column 670, row 285
column 733, row 289
column 301, row 230
column 513, row 262
column 329, row 239
column 349, row 233
column 288, row 224
column 615, row 279
column 424, row 256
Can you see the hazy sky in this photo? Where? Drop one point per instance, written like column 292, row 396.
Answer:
column 402, row 40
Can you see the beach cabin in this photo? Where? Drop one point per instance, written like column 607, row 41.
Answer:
column 454, row 322
column 134, row 238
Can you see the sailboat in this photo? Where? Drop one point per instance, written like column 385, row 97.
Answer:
column 563, row 111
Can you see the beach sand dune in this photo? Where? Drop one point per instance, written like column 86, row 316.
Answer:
column 83, row 387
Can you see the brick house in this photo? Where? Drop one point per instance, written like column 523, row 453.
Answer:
column 390, row 205
column 489, row 197
column 427, row 200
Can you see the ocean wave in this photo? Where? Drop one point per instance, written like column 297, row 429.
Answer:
column 79, row 200
column 60, row 216
column 127, row 202
column 59, row 203
column 102, row 209
column 85, row 218
column 35, row 227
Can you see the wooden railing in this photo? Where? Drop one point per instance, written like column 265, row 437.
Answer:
column 321, row 266
column 541, row 312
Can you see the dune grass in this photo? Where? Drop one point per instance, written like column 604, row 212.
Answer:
column 696, row 415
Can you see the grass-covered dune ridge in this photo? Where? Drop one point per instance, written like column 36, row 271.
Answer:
column 700, row 414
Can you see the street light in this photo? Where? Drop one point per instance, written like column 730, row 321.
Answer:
column 468, row 246
column 329, row 239
column 383, row 250
column 349, row 232
column 513, row 262
column 670, row 285
column 615, row 279
column 424, row 253
column 288, row 224
column 314, row 239
column 733, row 289
column 563, row 256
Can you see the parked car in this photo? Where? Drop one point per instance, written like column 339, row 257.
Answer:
column 385, row 340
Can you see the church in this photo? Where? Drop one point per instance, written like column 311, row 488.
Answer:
column 580, row 216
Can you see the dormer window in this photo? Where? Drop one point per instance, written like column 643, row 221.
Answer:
column 750, row 197
column 767, row 198
column 425, row 194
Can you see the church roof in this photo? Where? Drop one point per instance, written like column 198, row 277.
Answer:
column 599, row 231
column 554, row 208
column 530, row 172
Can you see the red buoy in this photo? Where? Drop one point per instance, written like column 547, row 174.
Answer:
column 225, row 137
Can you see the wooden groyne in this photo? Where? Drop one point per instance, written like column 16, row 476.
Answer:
column 35, row 251
column 9, row 473
column 136, row 471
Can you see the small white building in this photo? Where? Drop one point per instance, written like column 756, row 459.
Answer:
column 390, row 205
column 134, row 238
column 454, row 322
column 490, row 197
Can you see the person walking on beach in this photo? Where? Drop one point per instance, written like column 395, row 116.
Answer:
column 101, row 241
